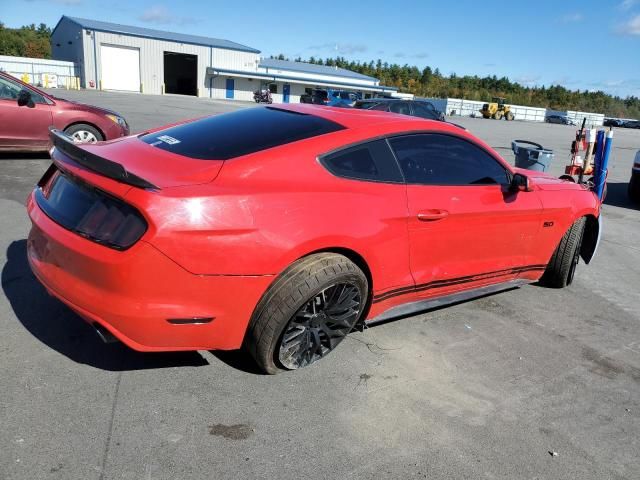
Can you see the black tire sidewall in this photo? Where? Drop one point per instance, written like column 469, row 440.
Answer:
column 284, row 322
column 277, row 307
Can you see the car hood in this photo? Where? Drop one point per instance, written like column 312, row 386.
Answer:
column 73, row 105
column 545, row 181
column 161, row 168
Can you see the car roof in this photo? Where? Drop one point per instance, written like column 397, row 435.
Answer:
column 355, row 118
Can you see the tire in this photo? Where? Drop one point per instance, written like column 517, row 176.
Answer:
column 498, row 116
column 286, row 304
column 509, row 116
column 562, row 266
column 83, row 133
column 634, row 191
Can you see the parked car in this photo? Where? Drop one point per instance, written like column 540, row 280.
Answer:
column 416, row 108
column 634, row 182
column 562, row 119
column 26, row 113
column 342, row 98
column 613, row 122
column 317, row 96
column 218, row 233
column 632, row 124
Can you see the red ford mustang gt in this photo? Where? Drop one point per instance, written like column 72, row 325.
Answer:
column 281, row 228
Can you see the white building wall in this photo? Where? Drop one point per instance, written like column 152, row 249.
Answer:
column 151, row 58
column 243, row 88
column 314, row 77
column 235, row 60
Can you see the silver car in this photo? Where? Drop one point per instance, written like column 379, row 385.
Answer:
column 563, row 119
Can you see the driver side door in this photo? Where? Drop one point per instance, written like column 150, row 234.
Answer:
column 23, row 128
column 467, row 228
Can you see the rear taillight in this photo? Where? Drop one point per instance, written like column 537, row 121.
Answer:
column 89, row 212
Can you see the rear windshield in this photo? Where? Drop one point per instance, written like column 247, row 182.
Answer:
column 239, row 133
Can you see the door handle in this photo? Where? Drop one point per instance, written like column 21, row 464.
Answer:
column 432, row 215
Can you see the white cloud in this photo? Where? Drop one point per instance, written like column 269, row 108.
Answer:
column 627, row 4
column 343, row 48
column 528, row 79
column 160, row 14
column 632, row 27
column 572, row 17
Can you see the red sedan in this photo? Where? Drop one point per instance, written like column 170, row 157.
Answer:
column 281, row 228
column 26, row 114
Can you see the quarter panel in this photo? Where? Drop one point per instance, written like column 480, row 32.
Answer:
column 264, row 212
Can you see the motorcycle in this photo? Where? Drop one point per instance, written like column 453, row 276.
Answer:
column 262, row 96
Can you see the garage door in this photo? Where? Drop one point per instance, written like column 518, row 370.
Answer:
column 120, row 68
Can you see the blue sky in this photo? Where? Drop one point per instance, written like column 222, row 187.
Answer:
column 586, row 44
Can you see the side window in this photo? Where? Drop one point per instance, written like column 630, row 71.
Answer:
column 368, row 161
column 400, row 107
column 37, row 98
column 423, row 111
column 8, row 89
column 382, row 106
column 434, row 159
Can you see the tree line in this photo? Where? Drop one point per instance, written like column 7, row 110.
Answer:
column 430, row 82
column 26, row 41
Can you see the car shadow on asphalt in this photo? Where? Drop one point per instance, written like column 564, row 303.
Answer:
column 617, row 196
column 24, row 156
column 238, row 360
column 55, row 325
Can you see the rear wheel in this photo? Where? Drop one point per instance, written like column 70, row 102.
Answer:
column 562, row 267
column 509, row 116
column 634, row 191
column 307, row 312
column 83, row 133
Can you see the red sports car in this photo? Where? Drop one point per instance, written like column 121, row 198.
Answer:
column 282, row 228
column 26, row 114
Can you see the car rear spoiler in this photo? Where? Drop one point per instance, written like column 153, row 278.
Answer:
column 95, row 163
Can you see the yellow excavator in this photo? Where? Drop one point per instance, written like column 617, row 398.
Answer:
column 497, row 109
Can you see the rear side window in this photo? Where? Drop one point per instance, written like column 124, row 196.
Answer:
column 368, row 161
column 245, row 131
column 400, row 107
column 425, row 111
column 435, row 159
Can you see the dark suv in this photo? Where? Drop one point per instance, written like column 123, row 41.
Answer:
column 415, row 108
column 317, row 96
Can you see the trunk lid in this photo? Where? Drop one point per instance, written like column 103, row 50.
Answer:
column 159, row 167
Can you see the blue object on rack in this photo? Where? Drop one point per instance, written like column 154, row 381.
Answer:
column 597, row 160
column 600, row 178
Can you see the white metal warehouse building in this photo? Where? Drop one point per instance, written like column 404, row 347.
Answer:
column 126, row 58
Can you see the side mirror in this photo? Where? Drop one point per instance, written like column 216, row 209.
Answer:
column 521, row 183
column 24, row 98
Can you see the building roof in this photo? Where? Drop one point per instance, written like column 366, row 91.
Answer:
column 157, row 34
column 312, row 68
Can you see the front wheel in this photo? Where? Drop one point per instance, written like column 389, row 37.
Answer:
column 562, row 266
column 307, row 312
column 83, row 133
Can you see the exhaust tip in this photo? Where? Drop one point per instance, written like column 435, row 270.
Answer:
column 105, row 335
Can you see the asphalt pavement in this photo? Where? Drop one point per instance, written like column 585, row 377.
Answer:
column 485, row 389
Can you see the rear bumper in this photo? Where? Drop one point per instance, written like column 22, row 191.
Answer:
column 134, row 293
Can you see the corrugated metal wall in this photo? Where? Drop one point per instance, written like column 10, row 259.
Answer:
column 151, row 59
column 37, row 70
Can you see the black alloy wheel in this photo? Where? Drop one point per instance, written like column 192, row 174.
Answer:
column 320, row 325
